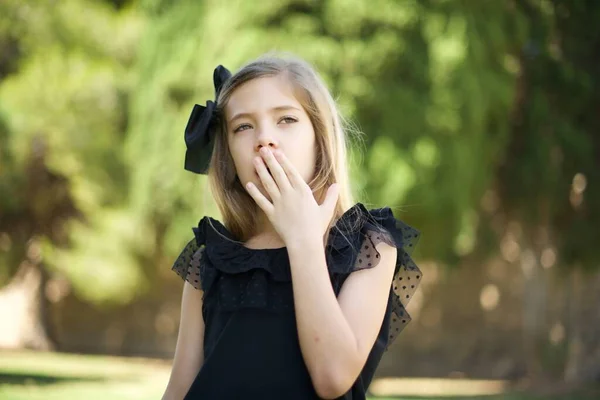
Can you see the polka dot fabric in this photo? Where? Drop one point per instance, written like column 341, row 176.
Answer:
column 406, row 277
column 234, row 277
column 187, row 265
column 353, row 248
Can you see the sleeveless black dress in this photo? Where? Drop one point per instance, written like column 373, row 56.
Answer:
column 251, row 346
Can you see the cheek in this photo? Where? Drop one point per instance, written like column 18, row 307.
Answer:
column 301, row 137
column 238, row 159
column 304, row 160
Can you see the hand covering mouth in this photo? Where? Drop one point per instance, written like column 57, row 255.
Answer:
column 268, row 170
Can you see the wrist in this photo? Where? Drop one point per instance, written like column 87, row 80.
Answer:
column 304, row 244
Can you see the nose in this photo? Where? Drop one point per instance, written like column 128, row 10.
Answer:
column 265, row 138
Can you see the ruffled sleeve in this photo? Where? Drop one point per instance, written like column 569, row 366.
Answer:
column 407, row 275
column 354, row 248
column 187, row 265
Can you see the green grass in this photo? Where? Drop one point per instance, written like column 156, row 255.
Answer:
column 33, row 376
column 28, row 375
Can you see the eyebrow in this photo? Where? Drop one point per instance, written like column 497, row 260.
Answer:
column 274, row 109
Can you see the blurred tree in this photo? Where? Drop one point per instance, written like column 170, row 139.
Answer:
column 62, row 98
column 553, row 155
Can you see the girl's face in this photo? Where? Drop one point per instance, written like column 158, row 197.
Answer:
column 264, row 112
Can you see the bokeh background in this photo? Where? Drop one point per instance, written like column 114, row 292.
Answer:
column 481, row 123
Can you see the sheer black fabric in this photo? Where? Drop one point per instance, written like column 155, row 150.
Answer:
column 251, row 345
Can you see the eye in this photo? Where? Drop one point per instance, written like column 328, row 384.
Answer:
column 242, row 127
column 288, row 120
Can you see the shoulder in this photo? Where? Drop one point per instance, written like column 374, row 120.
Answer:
column 375, row 280
column 371, row 256
column 360, row 236
column 388, row 253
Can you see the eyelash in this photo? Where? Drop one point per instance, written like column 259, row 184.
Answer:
column 289, row 118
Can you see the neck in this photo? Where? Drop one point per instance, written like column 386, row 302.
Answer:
column 265, row 235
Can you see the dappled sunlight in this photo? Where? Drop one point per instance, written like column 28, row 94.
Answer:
column 577, row 188
column 557, row 333
column 20, row 325
column 46, row 375
column 579, row 183
column 489, row 297
column 437, row 387
column 548, row 258
column 13, row 307
column 510, row 249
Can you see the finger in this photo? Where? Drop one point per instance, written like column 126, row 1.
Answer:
column 266, row 178
column 259, row 198
column 331, row 197
column 277, row 171
column 292, row 173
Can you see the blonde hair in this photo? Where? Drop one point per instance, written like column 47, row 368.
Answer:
column 239, row 210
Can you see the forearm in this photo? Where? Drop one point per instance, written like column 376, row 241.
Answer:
column 189, row 352
column 328, row 345
column 180, row 381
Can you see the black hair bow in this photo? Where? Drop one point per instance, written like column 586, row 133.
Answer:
column 199, row 138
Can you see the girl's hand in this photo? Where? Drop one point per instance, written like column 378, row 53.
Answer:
column 293, row 210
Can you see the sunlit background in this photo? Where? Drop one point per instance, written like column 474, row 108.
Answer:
column 481, row 123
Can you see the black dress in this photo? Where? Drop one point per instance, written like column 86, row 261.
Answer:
column 251, row 346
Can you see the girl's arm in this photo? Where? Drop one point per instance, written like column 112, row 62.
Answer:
column 337, row 334
column 189, row 353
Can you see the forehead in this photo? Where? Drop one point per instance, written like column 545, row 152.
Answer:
column 261, row 94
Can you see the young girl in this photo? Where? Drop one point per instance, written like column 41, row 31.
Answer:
column 299, row 292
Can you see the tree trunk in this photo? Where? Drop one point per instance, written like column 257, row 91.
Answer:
column 534, row 314
column 24, row 310
column 575, row 348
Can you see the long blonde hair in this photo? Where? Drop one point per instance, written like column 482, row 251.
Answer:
column 238, row 209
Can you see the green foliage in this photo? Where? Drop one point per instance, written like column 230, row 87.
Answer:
column 553, row 160
column 457, row 100
column 66, row 106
